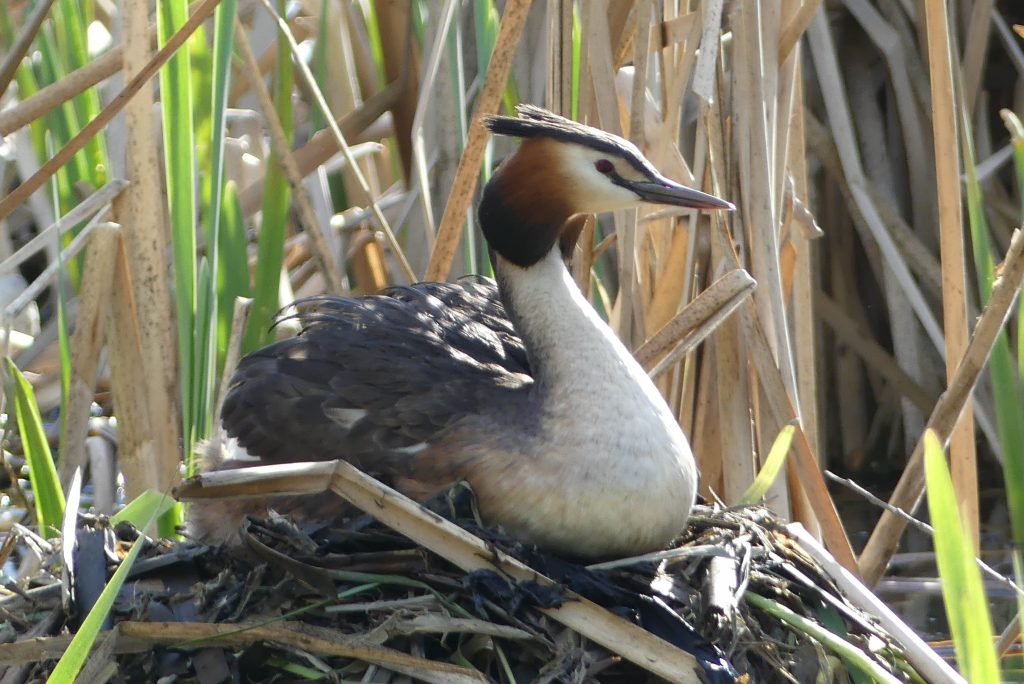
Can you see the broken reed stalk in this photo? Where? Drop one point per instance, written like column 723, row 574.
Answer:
column 87, row 344
column 910, row 488
column 450, row 230
column 962, row 455
column 451, row 542
column 695, row 322
column 279, row 143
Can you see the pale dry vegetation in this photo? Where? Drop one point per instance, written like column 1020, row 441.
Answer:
column 289, row 149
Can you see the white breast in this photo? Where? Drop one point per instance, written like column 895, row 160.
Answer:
column 624, row 478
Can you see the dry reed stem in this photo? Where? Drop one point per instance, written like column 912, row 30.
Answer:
column 87, row 343
column 630, row 296
column 907, row 87
column 429, row 101
column 731, row 390
column 202, row 12
column 451, row 542
column 826, row 64
column 322, row 252
column 755, row 98
column 669, row 33
column 136, row 637
column 140, row 212
column 137, row 448
column 963, row 458
column 695, row 322
column 559, row 90
column 341, row 90
column 805, row 278
column 22, row 44
column 450, row 230
column 910, row 488
column 306, row 78
column 54, row 95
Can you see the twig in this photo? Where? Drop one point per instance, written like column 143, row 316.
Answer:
column 920, row 525
column 962, row 453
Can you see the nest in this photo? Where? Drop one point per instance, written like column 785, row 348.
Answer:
column 730, row 601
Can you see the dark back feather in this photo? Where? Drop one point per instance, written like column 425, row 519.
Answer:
column 370, row 375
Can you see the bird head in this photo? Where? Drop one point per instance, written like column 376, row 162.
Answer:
column 564, row 168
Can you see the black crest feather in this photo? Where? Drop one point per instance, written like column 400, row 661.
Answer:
column 536, row 122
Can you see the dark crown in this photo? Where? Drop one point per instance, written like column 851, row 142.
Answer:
column 536, row 122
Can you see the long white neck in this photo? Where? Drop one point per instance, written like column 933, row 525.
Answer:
column 574, row 355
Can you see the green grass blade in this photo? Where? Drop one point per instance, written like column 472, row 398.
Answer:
column 49, row 498
column 850, row 653
column 176, row 95
column 966, row 604
column 219, row 308
column 1006, row 386
column 276, row 199
column 70, row 664
column 771, row 468
column 205, row 354
column 69, row 21
column 142, row 509
column 233, row 270
column 1016, row 129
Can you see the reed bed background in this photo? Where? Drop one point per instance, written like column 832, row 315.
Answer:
column 175, row 175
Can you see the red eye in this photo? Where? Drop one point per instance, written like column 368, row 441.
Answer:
column 604, row 166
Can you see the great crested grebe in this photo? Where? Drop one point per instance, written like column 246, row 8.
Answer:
column 518, row 388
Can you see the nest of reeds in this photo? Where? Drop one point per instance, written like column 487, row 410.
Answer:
column 731, row 600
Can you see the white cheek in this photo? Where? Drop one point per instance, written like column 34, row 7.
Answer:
column 598, row 194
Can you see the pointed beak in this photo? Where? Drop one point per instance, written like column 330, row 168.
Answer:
column 665, row 191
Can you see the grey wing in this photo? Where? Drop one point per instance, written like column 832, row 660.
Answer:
column 371, row 375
